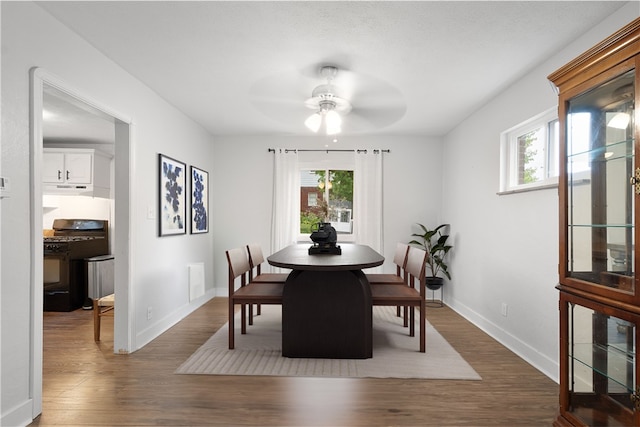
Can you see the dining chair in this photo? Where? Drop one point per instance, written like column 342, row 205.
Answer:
column 248, row 292
column 255, row 261
column 399, row 278
column 407, row 295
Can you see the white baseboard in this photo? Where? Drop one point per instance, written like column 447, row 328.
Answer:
column 162, row 325
column 544, row 364
column 222, row 292
column 21, row 415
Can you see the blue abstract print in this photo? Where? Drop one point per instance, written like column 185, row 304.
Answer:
column 173, row 196
column 199, row 182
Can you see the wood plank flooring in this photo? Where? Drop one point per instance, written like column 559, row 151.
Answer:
column 85, row 384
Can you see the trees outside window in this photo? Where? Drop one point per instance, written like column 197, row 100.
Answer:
column 326, row 196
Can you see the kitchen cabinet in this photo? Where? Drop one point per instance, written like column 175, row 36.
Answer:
column 76, row 171
column 73, row 168
column 599, row 187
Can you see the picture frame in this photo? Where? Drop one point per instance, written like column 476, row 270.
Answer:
column 199, row 200
column 172, row 196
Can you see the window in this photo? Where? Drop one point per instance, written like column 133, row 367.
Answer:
column 312, row 199
column 326, row 195
column 529, row 154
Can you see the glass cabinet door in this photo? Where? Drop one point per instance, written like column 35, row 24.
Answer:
column 600, row 163
column 601, row 367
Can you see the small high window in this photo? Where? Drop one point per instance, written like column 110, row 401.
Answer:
column 529, row 154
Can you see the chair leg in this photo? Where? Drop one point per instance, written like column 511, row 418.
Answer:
column 258, row 309
column 231, row 324
column 398, row 311
column 406, row 316
column 412, row 323
column 250, row 306
column 423, row 324
column 96, row 320
column 243, row 318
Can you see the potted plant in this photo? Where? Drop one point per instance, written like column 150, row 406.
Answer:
column 435, row 243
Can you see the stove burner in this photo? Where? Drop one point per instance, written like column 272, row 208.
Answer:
column 64, row 239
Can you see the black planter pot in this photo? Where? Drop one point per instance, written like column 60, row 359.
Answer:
column 434, row 283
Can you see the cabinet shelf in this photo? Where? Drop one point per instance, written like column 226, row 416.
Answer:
column 630, row 226
column 619, row 361
column 610, row 152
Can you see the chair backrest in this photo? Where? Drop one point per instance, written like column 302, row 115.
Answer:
column 255, row 257
column 238, row 266
column 416, row 264
column 400, row 258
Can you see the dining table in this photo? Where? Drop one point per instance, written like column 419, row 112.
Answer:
column 326, row 302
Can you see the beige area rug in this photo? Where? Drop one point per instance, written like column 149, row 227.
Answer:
column 395, row 354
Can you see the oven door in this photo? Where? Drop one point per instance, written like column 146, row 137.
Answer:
column 54, row 271
column 60, row 286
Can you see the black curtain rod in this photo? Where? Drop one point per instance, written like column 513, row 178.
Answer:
column 286, row 150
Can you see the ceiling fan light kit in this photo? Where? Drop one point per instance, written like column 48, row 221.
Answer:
column 313, row 122
column 329, row 105
column 333, row 122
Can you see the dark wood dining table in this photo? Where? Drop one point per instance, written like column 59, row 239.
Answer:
column 326, row 302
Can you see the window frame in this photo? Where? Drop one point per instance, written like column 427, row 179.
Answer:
column 509, row 167
column 328, row 162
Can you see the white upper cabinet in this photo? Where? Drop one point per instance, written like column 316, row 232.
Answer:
column 75, row 171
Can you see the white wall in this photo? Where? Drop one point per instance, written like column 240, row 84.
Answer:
column 30, row 38
column 243, row 173
column 55, row 206
column 506, row 247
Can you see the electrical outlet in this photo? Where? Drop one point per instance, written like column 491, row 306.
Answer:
column 504, row 309
column 149, row 313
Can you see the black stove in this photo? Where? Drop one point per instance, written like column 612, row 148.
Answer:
column 65, row 271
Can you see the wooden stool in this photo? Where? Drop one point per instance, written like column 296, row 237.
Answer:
column 101, row 307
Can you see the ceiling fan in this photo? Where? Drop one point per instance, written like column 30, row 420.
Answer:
column 347, row 101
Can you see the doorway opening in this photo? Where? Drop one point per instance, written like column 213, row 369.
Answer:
column 63, row 118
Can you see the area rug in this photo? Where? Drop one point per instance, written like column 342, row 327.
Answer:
column 395, row 354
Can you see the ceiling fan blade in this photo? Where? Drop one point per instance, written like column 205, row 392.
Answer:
column 363, row 119
column 283, row 111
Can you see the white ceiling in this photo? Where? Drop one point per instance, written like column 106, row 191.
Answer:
column 69, row 120
column 246, row 68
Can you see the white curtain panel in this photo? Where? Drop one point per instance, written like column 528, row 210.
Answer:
column 367, row 203
column 285, row 221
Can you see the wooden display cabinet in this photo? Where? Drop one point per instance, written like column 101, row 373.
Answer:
column 599, row 187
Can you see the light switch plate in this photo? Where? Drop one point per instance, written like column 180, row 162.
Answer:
column 5, row 188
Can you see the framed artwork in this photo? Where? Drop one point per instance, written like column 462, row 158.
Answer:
column 172, row 195
column 199, row 200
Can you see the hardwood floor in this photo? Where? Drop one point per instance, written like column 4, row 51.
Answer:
column 85, row 384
